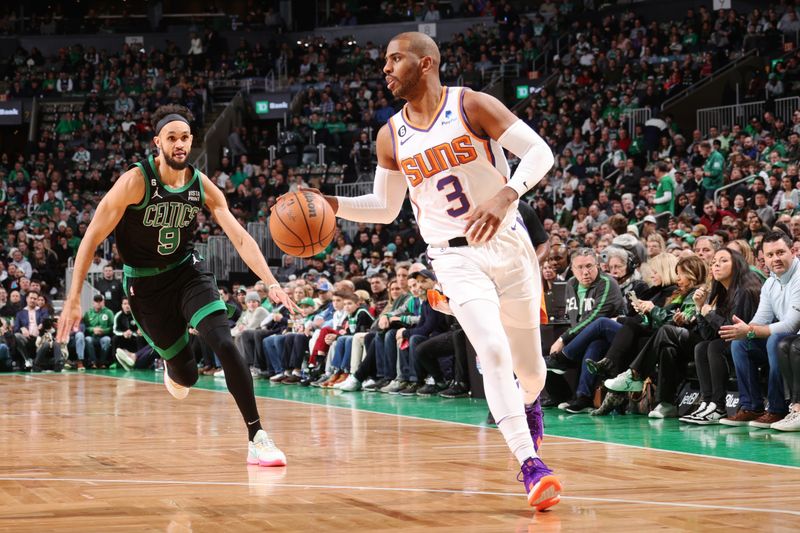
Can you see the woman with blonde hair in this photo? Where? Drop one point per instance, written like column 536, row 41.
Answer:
column 617, row 338
column 671, row 347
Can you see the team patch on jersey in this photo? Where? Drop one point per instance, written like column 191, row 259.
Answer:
column 441, row 157
column 449, row 117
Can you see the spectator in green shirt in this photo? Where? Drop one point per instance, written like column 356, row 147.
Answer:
column 664, row 199
column 612, row 110
column 99, row 322
column 713, row 169
column 18, row 170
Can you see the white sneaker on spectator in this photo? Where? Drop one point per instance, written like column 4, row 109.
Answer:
column 262, row 451
column 624, row 382
column 563, row 406
column 367, row 383
column 711, row 415
column 178, row 391
column 388, row 387
column 124, row 359
column 219, row 374
column 691, row 416
column 663, row 410
column 790, row 423
column 351, row 384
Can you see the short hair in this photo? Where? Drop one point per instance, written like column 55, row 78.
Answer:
column 420, row 44
column 662, row 166
column 712, row 241
column 618, row 224
column 775, row 236
column 615, row 253
column 583, row 252
column 170, row 109
column 709, row 201
column 351, row 296
column 342, row 294
column 705, row 145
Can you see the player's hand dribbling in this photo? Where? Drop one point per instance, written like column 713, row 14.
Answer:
column 69, row 320
column 484, row 221
column 334, row 203
column 278, row 295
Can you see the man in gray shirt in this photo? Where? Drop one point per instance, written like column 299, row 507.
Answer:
column 756, row 343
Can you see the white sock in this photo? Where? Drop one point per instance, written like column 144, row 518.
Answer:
column 518, row 437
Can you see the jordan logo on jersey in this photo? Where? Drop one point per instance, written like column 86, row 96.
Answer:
column 156, row 195
column 441, row 157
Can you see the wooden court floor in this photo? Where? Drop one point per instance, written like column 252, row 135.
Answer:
column 83, row 452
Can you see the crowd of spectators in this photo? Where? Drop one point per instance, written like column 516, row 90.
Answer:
column 657, row 244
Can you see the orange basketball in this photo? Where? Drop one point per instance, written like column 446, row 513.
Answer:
column 302, row 224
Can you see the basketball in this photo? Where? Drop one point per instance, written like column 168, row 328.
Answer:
column 302, row 224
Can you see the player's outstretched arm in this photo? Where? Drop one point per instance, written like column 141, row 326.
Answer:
column 128, row 190
column 487, row 115
column 388, row 192
column 244, row 243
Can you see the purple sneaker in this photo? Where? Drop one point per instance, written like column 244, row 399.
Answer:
column 542, row 487
column 533, row 413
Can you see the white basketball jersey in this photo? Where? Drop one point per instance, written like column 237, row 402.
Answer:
column 450, row 169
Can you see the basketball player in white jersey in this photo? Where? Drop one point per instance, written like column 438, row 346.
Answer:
column 446, row 148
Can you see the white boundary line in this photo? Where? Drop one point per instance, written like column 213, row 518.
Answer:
column 388, row 489
column 690, row 454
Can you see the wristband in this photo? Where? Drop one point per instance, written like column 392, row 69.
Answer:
column 274, row 286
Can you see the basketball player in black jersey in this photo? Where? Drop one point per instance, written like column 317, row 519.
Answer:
column 152, row 209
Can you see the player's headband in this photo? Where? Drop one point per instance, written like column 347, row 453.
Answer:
column 170, row 118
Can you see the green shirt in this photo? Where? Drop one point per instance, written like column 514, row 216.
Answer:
column 103, row 319
column 715, row 165
column 666, row 184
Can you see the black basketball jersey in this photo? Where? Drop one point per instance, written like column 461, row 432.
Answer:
column 157, row 233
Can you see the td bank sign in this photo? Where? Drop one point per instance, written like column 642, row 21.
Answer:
column 269, row 106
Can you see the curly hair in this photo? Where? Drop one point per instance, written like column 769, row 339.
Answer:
column 168, row 109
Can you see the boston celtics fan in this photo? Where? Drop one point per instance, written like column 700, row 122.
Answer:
column 152, row 209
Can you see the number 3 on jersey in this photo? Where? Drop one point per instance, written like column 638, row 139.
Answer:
column 456, row 194
column 168, row 240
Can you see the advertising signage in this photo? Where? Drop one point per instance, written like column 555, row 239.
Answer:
column 271, row 105
column 11, row 113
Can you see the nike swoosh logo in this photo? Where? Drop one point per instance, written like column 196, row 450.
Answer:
column 402, row 142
